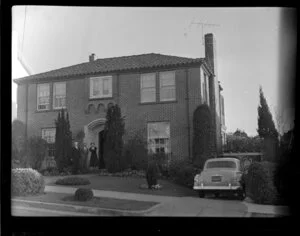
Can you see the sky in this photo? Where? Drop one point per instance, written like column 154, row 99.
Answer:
column 247, row 41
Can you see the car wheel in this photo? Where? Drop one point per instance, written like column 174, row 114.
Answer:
column 201, row 194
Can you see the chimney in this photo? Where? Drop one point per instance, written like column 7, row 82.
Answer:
column 92, row 57
column 210, row 51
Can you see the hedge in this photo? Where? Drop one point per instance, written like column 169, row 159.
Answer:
column 183, row 172
column 83, row 194
column 72, row 181
column 26, row 181
column 259, row 183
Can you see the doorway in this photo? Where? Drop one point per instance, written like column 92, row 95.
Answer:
column 100, row 149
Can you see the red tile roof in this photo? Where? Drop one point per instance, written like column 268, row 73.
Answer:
column 116, row 64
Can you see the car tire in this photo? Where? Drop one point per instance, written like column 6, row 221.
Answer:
column 201, row 194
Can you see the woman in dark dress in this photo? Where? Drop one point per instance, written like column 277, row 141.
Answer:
column 94, row 158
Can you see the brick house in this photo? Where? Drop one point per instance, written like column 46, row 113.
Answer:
column 157, row 95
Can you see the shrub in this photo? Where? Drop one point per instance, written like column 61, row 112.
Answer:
column 83, row 194
column 259, row 183
column 183, row 172
column 72, row 181
column 135, row 153
column 51, row 171
column 152, row 173
column 36, row 151
column 26, row 181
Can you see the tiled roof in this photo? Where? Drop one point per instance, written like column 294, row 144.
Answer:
column 116, row 64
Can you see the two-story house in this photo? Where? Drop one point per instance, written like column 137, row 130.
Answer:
column 157, row 94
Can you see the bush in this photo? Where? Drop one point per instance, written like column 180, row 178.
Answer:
column 36, row 151
column 183, row 172
column 152, row 173
column 26, row 181
column 51, row 171
column 72, row 181
column 135, row 153
column 83, row 194
column 259, row 183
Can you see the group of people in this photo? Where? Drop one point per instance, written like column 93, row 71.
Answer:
column 84, row 158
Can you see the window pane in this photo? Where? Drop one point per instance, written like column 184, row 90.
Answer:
column 148, row 81
column 60, row 89
column 44, row 90
column 167, row 93
column 49, row 135
column 148, row 95
column 167, row 78
column 159, row 130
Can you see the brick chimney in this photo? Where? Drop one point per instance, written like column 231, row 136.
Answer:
column 210, row 51
column 92, row 57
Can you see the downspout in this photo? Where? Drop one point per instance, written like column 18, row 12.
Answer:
column 26, row 111
column 188, row 112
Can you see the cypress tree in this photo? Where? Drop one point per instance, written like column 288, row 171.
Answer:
column 266, row 128
column 63, row 140
column 113, row 132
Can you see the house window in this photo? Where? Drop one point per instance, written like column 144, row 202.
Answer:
column 167, row 86
column 59, row 95
column 101, row 87
column 159, row 138
column 49, row 135
column 206, row 86
column 43, row 97
column 148, row 88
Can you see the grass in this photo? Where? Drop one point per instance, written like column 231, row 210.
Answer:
column 108, row 203
column 132, row 185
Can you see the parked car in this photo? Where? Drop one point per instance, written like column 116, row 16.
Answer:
column 220, row 175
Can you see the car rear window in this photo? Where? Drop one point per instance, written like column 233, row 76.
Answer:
column 221, row 164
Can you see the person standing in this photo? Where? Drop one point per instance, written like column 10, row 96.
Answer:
column 76, row 156
column 84, row 154
column 94, row 158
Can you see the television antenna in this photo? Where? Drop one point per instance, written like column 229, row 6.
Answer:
column 202, row 25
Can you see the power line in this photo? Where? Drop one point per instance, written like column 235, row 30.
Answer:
column 23, row 30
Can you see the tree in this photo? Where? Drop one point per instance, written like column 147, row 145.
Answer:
column 18, row 141
column 37, row 151
column 240, row 133
column 114, row 130
column 63, row 140
column 266, row 128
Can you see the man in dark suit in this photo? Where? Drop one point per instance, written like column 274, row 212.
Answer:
column 76, row 156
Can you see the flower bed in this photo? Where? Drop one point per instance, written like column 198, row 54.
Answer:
column 126, row 173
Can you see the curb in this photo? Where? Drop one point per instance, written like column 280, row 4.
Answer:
column 86, row 209
column 274, row 211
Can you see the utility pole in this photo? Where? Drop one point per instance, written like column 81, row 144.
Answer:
column 202, row 25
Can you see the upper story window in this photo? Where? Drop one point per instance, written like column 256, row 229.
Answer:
column 167, row 86
column 101, row 87
column 148, row 88
column 59, row 95
column 204, row 83
column 43, row 97
column 206, row 86
column 159, row 137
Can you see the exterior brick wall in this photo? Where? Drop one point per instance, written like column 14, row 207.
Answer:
column 126, row 92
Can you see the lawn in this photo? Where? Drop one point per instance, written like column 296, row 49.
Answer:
column 107, row 203
column 132, row 185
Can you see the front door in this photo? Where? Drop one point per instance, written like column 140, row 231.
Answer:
column 100, row 145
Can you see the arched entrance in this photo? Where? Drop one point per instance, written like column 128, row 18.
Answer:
column 94, row 133
column 202, row 134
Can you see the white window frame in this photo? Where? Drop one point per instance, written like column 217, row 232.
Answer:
column 45, row 137
column 51, row 144
column 153, row 145
column 38, row 96
column 101, row 80
column 172, row 86
column 61, row 96
column 142, row 88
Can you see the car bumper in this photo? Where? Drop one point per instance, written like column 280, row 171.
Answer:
column 216, row 187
